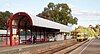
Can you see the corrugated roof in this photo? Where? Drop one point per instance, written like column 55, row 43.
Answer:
column 38, row 21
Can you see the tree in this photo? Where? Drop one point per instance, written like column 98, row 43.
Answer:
column 3, row 19
column 60, row 13
column 86, row 31
column 97, row 29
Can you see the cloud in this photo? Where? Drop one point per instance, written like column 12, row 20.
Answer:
column 86, row 17
column 80, row 12
column 86, row 13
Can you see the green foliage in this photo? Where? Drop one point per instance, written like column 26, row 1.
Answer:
column 87, row 31
column 3, row 19
column 60, row 13
column 97, row 29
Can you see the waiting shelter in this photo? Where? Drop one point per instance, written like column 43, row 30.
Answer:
column 23, row 28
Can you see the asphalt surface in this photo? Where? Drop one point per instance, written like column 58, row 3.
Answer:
column 90, row 47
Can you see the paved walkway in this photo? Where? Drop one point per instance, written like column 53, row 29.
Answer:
column 91, row 47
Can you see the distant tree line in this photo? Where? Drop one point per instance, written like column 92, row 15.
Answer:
column 3, row 19
column 60, row 13
column 89, row 31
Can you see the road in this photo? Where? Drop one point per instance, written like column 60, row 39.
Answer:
column 91, row 47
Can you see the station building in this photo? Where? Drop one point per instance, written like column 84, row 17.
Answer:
column 26, row 28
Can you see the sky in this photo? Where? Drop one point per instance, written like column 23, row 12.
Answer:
column 87, row 11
